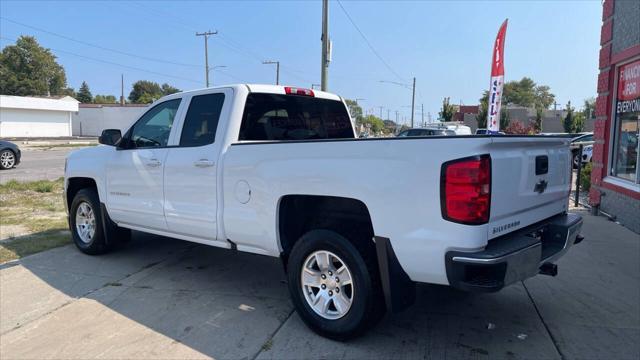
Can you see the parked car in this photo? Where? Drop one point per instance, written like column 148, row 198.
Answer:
column 9, row 155
column 278, row 171
column 587, row 153
column 426, row 132
column 584, row 140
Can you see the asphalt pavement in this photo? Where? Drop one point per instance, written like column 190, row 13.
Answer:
column 164, row 298
column 37, row 164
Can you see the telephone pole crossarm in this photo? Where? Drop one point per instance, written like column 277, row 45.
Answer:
column 206, row 35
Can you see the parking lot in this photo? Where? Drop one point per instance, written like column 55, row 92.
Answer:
column 164, row 298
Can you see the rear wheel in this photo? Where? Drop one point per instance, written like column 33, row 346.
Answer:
column 333, row 287
column 7, row 159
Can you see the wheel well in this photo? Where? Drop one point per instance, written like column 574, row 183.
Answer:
column 346, row 216
column 77, row 184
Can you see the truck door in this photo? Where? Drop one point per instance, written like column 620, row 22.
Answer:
column 191, row 168
column 135, row 172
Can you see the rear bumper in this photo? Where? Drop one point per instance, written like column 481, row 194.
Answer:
column 513, row 257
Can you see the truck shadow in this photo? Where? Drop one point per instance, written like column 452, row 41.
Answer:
column 217, row 303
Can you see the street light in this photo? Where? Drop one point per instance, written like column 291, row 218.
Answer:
column 277, row 63
column 216, row 67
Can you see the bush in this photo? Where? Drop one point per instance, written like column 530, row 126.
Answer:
column 585, row 178
column 518, row 128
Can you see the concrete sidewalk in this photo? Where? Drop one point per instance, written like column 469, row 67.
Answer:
column 163, row 298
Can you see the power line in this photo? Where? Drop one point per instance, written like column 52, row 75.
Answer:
column 114, row 63
column 375, row 52
column 97, row 46
column 223, row 40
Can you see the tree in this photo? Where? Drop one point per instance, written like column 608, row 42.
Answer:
column 28, row 69
column 543, row 97
column 447, row 111
column 483, row 112
column 374, row 123
column 84, row 94
column 104, row 99
column 504, row 118
column 354, row 110
column 569, row 122
column 168, row 89
column 68, row 92
column 589, row 109
column 527, row 93
column 578, row 122
column 145, row 92
column 537, row 125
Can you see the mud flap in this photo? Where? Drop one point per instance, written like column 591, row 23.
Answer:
column 399, row 290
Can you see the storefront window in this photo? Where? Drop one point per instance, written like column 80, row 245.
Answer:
column 627, row 120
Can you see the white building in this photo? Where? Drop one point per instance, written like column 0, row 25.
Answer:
column 91, row 119
column 22, row 116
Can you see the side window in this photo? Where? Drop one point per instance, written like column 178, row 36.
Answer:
column 404, row 133
column 154, row 127
column 414, row 133
column 201, row 121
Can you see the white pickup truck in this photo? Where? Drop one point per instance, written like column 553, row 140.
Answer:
column 278, row 171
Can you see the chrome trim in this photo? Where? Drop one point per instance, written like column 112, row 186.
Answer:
column 494, row 260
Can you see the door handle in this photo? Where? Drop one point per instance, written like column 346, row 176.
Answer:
column 203, row 163
column 153, row 163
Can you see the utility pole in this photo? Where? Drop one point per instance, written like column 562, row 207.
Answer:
column 277, row 63
column 121, row 89
column 324, row 71
column 206, row 35
column 396, row 116
column 380, row 107
column 422, row 105
column 388, row 111
column 413, row 100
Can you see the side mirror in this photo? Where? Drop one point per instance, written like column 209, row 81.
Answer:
column 110, row 137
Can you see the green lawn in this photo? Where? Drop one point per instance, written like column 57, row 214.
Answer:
column 32, row 218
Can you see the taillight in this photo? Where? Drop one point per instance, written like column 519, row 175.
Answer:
column 298, row 91
column 465, row 190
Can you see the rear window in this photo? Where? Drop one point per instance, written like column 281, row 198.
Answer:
column 291, row 117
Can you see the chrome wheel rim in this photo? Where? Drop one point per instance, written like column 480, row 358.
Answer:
column 327, row 284
column 7, row 159
column 85, row 222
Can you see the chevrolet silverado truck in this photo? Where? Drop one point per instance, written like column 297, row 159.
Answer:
column 278, row 171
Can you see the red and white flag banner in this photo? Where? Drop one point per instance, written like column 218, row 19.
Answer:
column 497, row 81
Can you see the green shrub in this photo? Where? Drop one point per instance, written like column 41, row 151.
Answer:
column 585, row 177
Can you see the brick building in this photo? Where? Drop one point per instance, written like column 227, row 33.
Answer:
column 615, row 177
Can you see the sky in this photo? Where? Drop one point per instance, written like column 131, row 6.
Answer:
column 445, row 45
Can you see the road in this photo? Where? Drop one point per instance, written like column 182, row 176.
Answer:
column 37, row 164
column 163, row 298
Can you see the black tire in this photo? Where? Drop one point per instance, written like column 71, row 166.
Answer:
column 97, row 245
column 7, row 152
column 367, row 306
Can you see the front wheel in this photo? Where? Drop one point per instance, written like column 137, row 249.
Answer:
column 85, row 223
column 334, row 287
column 7, row 159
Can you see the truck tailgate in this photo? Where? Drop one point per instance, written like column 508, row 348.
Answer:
column 531, row 180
